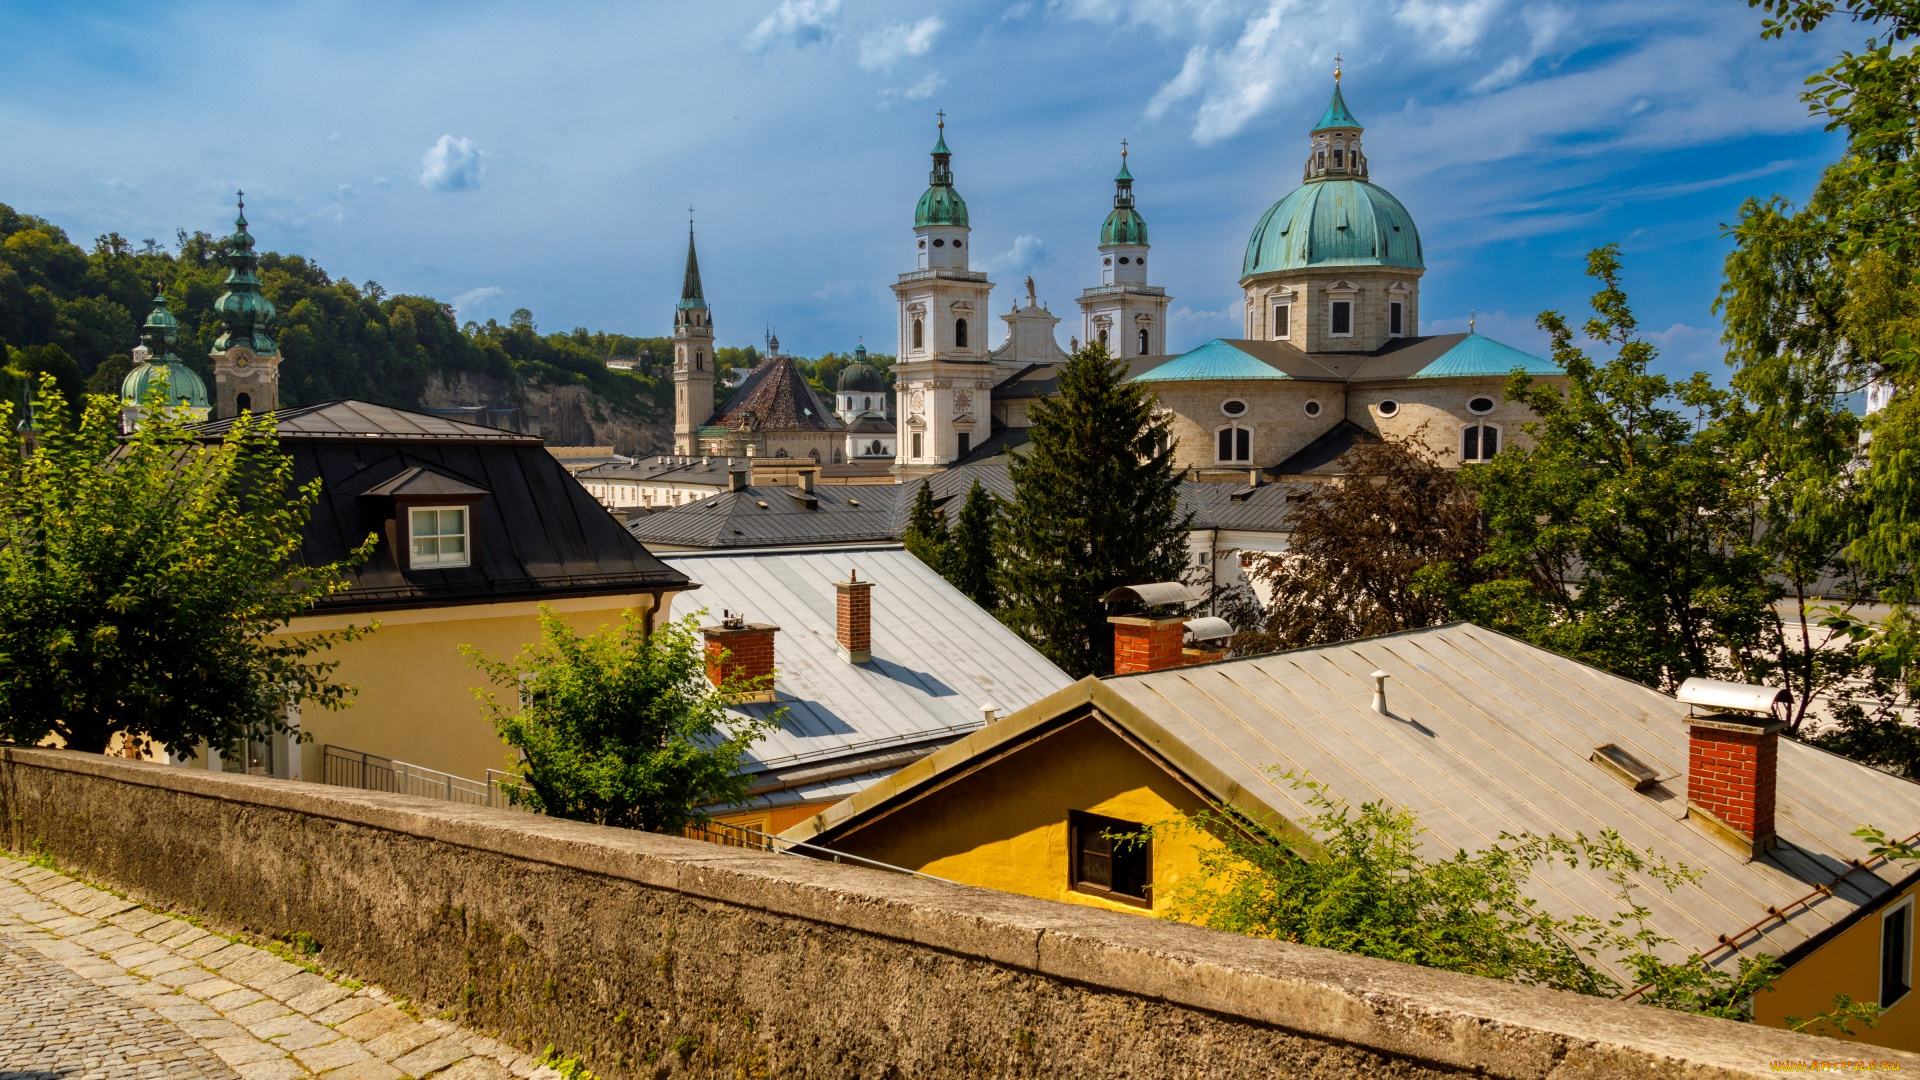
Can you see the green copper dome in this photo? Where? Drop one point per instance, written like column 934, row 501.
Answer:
column 1337, row 114
column 161, row 367
column 1124, row 225
column 861, row 377
column 941, row 205
column 1334, row 223
column 243, row 312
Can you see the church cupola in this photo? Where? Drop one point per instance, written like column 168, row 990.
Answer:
column 940, row 220
column 157, row 370
column 246, row 363
column 1123, row 236
column 1336, row 153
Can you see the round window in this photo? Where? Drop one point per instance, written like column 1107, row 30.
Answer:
column 1313, row 408
column 1141, row 261
column 1388, row 408
column 1106, row 262
column 1235, row 407
column 956, row 243
column 939, row 243
column 1123, row 260
column 923, row 245
column 1480, row 406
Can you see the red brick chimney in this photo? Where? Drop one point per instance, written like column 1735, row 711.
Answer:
column 1144, row 643
column 1732, row 767
column 737, row 647
column 853, row 618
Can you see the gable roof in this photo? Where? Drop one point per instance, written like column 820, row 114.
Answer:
column 1437, row 356
column 776, row 397
column 937, row 656
column 1489, row 735
column 1321, row 456
column 1476, row 355
column 776, row 516
column 537, row 534
column 1217, row 359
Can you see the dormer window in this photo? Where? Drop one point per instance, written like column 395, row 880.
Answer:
column 437, row 537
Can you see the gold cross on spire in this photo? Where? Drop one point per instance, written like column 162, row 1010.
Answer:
column 1123, row 150
column 1336, row 67
column 942, row 114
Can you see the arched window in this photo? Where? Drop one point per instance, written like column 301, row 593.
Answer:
column 1103, row 337
column 1479, row 442
column 866, row 404
column 699, row 359
column 1233, row 444
column 919, row 335
column 1143, row 343
column 243, row 403
column 960, row 333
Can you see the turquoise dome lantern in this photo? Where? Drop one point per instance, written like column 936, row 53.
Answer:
column 160, row 368
column 243, row 311
column 1336, row 217
column 1124, row 225
column 941, row 204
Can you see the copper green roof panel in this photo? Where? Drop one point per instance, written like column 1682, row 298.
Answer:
column 1337, row 114
column 1214, row 360
column 1334, row 223
column 181, row 385
column 941, row 205
column 1123, row 226
column 690, row 293
column 1477, row 355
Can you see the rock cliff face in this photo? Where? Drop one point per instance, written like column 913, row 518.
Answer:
column 562, row 415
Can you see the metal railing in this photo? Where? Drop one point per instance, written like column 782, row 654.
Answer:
column 371, row 772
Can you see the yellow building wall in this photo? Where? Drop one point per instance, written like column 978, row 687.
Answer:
column 1005, row 825
column 770, row 819
column 415, row 701
column 1848, row 964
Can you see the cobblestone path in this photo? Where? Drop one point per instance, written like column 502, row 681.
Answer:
column 96, row 987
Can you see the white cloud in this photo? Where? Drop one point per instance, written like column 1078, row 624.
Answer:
column 477, row 302
column 887, row 46
column 450, row 164
column 1024, row 255
column 932, row 84
column 796, row 23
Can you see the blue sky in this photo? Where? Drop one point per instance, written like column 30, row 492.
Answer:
column 542, row 156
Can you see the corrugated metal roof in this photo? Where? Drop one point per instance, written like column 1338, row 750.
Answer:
column 937, row 656
column 776, row 516
column 1493, row 735
column 349, row 419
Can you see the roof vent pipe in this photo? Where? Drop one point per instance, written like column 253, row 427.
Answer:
column 1380, row 692
column 989, row 712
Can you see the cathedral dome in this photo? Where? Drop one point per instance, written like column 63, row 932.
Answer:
column 184, row 387
column 941, row 205
column 859, row 377
column 1334, row 223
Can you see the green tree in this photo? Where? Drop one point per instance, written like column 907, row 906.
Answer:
column 926, row 533
column 621, row 727
column 1621, row 536
column 1096, row 505
column 1356, row 880
column 970, row 552
column 146, row 583
column 1385, row 549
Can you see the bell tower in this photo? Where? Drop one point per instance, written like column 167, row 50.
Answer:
column 246, row 363
column 692, row 356
column 1123, row 312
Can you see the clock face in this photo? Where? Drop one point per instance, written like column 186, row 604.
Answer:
column 242, row 363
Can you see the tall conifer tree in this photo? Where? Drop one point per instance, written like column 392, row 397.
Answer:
column 926, row 534
column 970, row 555
column 1096, row 505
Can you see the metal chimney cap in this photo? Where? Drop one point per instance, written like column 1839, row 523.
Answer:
column 1157, row 593
column 1738, row 697
column 1209, row 628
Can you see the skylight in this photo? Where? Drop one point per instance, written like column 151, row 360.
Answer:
column 1625, row 767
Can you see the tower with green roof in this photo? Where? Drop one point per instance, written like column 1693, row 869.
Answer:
column 246, row 362
column 692, row 356
column 1124, row 312
column 159, row 374
column 1335, row 265
column 944, row 376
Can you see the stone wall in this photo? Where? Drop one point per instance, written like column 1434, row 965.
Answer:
column 656, row 956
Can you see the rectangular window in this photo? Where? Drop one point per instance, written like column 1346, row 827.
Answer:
column 1103, row 866
column 916, row 445
column 1396, row 318
column 1470, row 444
column 1242, row 444
column 1896, row 953
column 966, row 442
column 439, row 536
column 1341, row 319
column 1282, row 321
column 1479, row 442
column 1226, row 444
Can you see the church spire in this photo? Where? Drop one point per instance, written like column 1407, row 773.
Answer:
column 690, row 294
column 1336, row 153
column 941, row 204
column 244, row 312
column 1124, row 225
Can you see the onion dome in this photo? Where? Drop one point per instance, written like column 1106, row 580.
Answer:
column 941, row 205
column 158, row 367
column 243, row 311
column 1336, row 217
column 1124, row 225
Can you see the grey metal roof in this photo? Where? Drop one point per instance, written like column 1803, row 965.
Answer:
column 349, row 419
column 1322, row 455
column 1494, row 735
column 776, row 516
column 698, row 471
column 937, row 657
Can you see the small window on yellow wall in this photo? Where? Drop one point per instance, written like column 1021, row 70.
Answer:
column 438, row 535
column 1896, row 953
column 1104, row 862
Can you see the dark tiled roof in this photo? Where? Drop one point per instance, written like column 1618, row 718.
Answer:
column 1318, row 457
column 362, row 420
column 776, row 397
column 872, row 424
column 776, row 516
column 537, row 534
